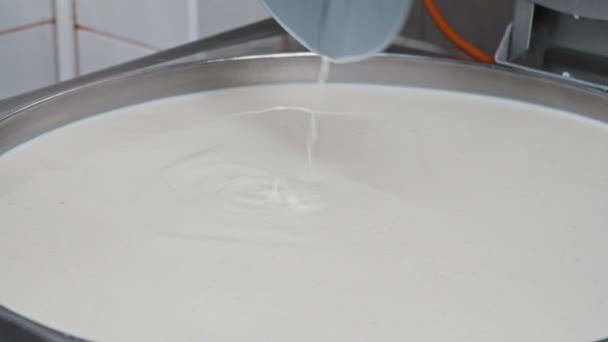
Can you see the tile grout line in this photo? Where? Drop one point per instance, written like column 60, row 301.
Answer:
column 193, row 20
column 75, row 38
column 117, row 37
column 64, row 34
column 27, row 26
column 55, row 43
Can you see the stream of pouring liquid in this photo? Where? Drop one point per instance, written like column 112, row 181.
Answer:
column 280, row 192
column 312, row 128
column 293, row 193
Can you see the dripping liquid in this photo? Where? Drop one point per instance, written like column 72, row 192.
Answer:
column 313, row 122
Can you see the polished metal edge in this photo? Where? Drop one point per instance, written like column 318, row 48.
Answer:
column 97, row 96
column 14, row 327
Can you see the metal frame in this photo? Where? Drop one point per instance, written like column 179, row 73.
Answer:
column 562, row 38
column 594, row 9
column 503, row 58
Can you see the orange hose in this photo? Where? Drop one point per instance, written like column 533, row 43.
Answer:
column 453, row 36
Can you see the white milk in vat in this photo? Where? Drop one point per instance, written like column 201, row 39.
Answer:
column 427, row 216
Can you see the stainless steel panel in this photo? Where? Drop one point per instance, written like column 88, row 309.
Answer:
column 593, row 9
column 522, row 27
column 552, row 42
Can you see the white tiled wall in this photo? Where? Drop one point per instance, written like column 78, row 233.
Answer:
column 156, row 23
column 18, row 13
column 96, row 51
column 102, row 33
column 216, row 16
column 27, row 66
column 27, row 47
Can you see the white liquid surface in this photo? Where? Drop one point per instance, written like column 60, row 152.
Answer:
column 427, row 216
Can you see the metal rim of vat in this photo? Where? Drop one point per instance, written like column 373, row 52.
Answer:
column 56, row 109
column 59, row 106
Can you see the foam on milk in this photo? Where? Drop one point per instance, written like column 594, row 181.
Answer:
column 427, row 216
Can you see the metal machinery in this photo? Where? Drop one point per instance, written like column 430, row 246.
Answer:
column 566, row 38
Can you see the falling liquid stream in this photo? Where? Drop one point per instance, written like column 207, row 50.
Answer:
column 313, row 129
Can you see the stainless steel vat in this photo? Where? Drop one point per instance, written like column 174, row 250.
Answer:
column 60, row 105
